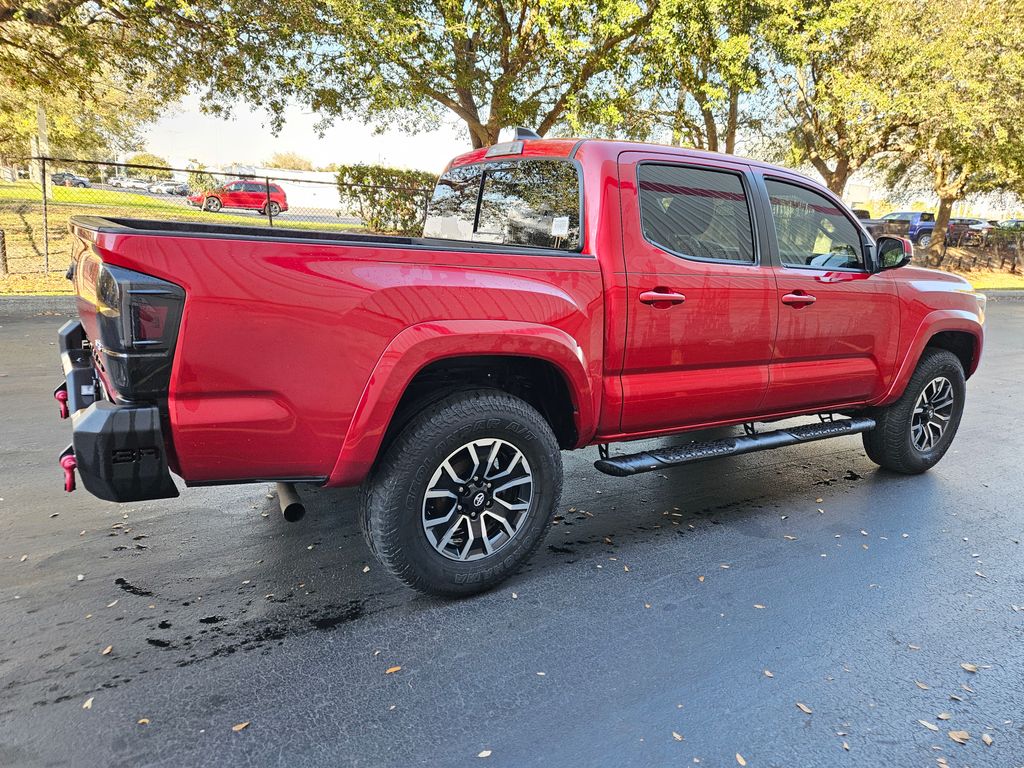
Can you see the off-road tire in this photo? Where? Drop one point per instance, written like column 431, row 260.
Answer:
column 890, row 444
column 392, row 497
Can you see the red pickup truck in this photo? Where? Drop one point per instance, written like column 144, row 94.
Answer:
column 564, row 294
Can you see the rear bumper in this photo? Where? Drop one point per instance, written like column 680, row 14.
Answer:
column 119, row 450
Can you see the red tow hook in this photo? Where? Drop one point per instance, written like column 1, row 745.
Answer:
column 61, row 396
column 69, row 464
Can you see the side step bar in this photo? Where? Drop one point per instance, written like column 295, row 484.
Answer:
column 648, row 461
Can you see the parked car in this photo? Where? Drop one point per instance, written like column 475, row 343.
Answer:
column 169, row 188
column 565, row 294
column 247, row 194
column 965, row 231
column 1011, row 225
column 69, row 180
column 921, row 225
column 141, row 184
column 117, row 181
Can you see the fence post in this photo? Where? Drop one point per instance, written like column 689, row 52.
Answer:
column 270, row 213
column 46, row 220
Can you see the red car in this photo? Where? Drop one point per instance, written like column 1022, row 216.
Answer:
column 248, row 194
column 565, row 294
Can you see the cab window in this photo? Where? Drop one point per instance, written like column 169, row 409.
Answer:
column 811, row 230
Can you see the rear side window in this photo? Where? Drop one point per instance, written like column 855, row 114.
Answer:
column 811, row 230
column 927, row 217
column 516, row 202
column 695, row 212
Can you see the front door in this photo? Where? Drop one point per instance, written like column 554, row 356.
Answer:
column 838, row 322
column 701, row 309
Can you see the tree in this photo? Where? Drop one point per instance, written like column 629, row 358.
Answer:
column 491, row 63
column 968, row 138
column 199, row 180
column 846, row 79
column 95, row 129
column 699, row 60
column 290, row 161
column 159, row 168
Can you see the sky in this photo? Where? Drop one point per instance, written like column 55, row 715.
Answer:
column 184, row 133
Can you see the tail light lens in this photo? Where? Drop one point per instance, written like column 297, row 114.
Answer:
column 138, row 318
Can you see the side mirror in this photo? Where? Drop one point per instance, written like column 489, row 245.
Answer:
column 893, row 252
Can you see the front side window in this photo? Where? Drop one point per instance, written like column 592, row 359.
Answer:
column 695, row 212
column 811, row 230
column 898, row 217
column 513, row 202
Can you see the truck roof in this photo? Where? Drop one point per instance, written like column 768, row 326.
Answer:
column 609, row 147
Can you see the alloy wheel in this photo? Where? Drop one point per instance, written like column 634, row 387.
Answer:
column 932, row 413
column 477, row 500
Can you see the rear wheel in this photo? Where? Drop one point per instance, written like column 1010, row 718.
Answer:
column 912, row 434
column 924, row 240
column 464, row 494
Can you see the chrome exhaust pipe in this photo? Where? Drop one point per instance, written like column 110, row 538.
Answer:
column 291, row 505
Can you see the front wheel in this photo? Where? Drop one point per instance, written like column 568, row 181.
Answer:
column 912, row 434
column 212, row 204
column 464, row 494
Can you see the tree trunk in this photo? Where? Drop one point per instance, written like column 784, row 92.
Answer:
column 732, row 121
column 936, row 249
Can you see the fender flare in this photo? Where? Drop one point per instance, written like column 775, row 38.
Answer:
column 419, row 345
column 934, row 322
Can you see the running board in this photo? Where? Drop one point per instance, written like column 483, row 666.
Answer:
column 648, row 461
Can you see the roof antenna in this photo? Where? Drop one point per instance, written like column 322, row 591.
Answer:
column 525, row 133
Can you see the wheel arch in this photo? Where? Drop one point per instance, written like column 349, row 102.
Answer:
column 541, row 364
column 958, row 331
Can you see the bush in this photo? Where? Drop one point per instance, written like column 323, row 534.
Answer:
column 386, row 199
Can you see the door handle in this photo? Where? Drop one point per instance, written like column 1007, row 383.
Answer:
column 662, row 296
column 798, row 299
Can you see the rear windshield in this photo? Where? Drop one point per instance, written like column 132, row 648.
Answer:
column 509, row 202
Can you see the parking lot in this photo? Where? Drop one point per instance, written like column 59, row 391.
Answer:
column 789, row 608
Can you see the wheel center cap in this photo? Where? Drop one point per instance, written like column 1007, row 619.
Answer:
column 479, row 499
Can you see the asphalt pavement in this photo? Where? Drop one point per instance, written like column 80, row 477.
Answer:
column 791, row 608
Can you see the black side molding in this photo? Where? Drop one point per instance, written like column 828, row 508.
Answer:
column 648, row 461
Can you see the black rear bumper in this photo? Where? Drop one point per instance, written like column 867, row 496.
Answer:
column 119, row 450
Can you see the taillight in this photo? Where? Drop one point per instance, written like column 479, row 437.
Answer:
column 138, row 317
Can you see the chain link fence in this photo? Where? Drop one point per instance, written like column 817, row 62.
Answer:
column 35, row 208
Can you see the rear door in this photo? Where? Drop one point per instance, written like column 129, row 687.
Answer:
column 700, row 304
column 838, row 322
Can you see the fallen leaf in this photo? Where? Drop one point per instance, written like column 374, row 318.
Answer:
column 818, row 501
column 485, row 753
column 677, row 736
column 966, row 687
column 804, row 708
column 969, row 667
column 515, row 596
column 240, row 726
column 143, row 721
column 24, row 558
column 768, row 673
column 391, row 670
column 739, row 759
column 914, row 647
column 607, row 540
column 700, row 579
column 960, row 737
column 758, row 606
column 647, row 605
column 111, row 605
column 846, row 746
column 88, row 703
column 929, row 726
column 980, row 574
column 787, row 537
column 954, row 697
column 987, row 739
column 366, row 569
column 943, row 715
column 541, row 674
column 80, row 577
column 625, row 568
column 106, row 650
column 921, row 685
